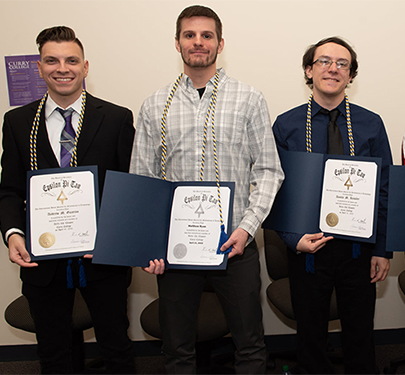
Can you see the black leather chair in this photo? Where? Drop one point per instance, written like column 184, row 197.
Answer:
column 278, row 292
column 208, row 329
column 17, row 314
column 395, row 363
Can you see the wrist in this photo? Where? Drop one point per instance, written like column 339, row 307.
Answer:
column 11, row 232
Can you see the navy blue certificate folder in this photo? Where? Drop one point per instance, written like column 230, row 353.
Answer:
column 396, row 209
column 297, row 206
column 134, row 220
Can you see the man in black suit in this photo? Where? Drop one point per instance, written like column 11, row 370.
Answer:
column 104, row 139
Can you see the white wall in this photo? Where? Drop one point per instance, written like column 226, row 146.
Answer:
column 130, row 46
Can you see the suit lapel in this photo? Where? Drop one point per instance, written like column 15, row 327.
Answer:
column 93, row 118
column 43, row 145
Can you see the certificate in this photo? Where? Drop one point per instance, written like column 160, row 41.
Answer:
column 195, row 225
column 144, row 218
column 348, row 197
column 61, row 212
column 334, row 194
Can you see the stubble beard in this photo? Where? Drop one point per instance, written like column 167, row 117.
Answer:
column 201, row 62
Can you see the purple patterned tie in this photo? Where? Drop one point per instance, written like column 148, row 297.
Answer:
column 67, row 138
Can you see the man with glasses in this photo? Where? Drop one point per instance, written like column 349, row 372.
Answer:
column 319, row 263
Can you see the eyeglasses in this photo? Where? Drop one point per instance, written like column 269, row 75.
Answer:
column 342, row 64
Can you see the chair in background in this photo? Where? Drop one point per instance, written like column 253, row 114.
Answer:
column 208, row 329
column 278, row 292
column 395, row 363
column 17, row 315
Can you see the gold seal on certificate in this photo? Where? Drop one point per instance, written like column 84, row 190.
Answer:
column 46, row 240
column 332, row 219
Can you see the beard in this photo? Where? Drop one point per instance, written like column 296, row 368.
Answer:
column 200, row 62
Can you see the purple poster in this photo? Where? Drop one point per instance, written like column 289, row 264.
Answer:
column 24, row 82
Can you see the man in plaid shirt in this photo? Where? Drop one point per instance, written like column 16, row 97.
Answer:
column 245, row 153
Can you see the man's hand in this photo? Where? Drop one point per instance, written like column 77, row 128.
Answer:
column 379, row 268
column 18, row 253
column 156, row 267
column 311, row 243
column 238, row 241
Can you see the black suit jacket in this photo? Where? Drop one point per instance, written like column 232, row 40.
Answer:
column 105, row 140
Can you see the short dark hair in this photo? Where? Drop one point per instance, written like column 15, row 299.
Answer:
column 57, row 34
column 308, row 58
column 199, row 11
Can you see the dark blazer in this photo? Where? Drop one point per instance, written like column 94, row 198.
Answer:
column 105, row 140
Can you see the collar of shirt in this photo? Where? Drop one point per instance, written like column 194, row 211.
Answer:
column 187, row 84
column 51, row 114
column 315, row 108
column 55, row 122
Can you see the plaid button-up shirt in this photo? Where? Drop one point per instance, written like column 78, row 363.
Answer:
column 246, row 149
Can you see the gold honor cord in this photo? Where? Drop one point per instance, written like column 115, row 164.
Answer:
column 34, row 132
column 308, row 132
column 73, row 160
column 211, row 111
column 163, row 125
column 33, row 135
